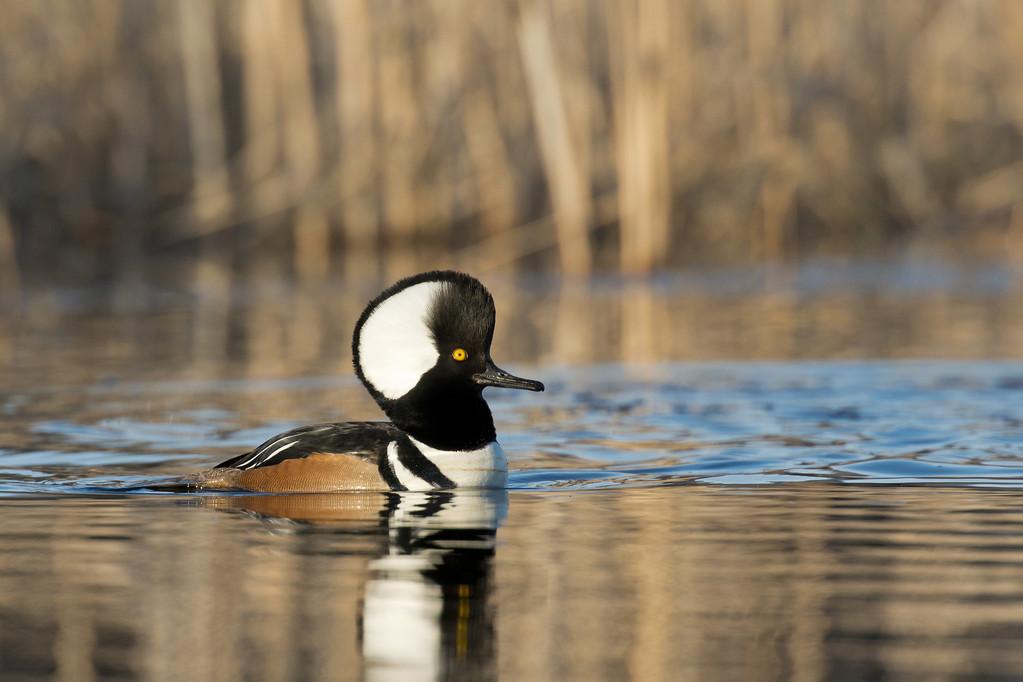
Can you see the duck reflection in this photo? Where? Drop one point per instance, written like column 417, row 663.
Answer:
column 426, row 611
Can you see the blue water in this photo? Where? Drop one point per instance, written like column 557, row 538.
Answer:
column 949, row 423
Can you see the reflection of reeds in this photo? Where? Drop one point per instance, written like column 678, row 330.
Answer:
column 371, row 138
column 684, row 583
column 306, row 331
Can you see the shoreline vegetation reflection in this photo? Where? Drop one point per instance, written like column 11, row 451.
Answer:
column 426, row 609
column 657, row 584
column 280, row 329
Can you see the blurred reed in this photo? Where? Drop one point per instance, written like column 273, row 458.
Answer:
column 217, row 141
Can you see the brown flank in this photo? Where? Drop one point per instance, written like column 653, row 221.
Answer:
column 319, row 472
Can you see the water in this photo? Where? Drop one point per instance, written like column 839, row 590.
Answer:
column 955, row 423
column 792, row 519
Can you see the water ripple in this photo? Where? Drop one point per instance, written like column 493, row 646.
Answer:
column 602, row 426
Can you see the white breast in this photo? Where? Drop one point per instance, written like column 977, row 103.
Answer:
column 486, row 467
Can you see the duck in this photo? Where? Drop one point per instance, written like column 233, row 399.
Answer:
column 422, row 351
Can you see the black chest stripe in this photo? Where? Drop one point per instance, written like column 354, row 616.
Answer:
column 387, row 473
column 417, row 463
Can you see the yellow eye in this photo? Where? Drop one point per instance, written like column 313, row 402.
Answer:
column 459, row 354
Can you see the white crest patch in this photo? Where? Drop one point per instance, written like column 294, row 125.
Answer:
column 395, row 346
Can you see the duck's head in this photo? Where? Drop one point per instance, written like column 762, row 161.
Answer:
column 422, row 349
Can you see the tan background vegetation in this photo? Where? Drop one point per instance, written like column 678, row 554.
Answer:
column 211, row 140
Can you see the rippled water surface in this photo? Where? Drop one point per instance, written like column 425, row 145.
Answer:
column 956, row 423
column 666, row 520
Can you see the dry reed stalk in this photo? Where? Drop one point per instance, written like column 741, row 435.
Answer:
column 125, row 94
column 301, row 144
column 571, row 21
column 769, row 110
column 9, row 277
column 502, row 75
column 493, row 114
column 777, row 201
column 402, row 138
column 295, row 97
column 489, row 157
column 770, row 106
column 355, row 68
column 1010, row 53
column 130, row 175
column 199, row 53
column 1014, row 239
column 568, row 184
column 639, row 47
column 211, row 276
column 440, row 82
column 259, row 159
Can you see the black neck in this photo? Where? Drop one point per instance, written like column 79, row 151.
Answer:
column 447, row 419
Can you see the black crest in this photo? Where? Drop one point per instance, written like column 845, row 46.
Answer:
column 463, row 314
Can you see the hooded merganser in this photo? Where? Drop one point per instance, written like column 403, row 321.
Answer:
column 422, row 350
